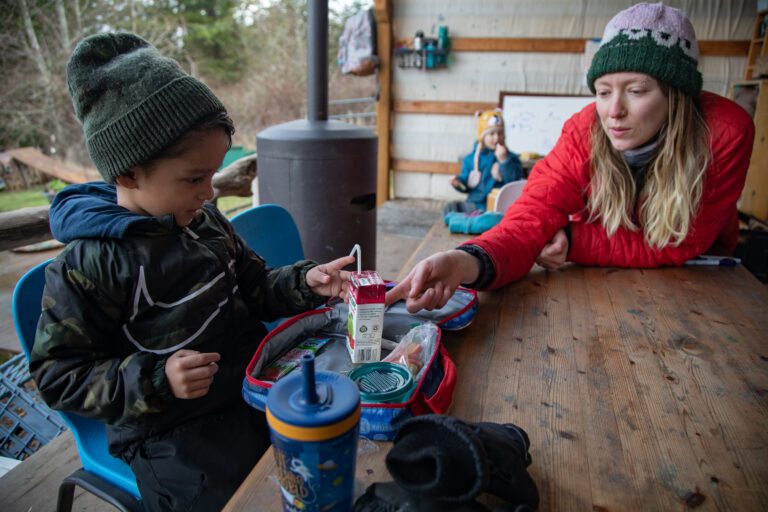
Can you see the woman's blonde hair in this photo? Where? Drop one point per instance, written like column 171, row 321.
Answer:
column 669, row 199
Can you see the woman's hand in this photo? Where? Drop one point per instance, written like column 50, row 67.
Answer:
column 433, row 281
column 554, row 254
column 329, row 280
column 190, row 373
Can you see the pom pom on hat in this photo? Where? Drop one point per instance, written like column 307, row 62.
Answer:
column 132, row 101
column 488, row 122
column 653, row 39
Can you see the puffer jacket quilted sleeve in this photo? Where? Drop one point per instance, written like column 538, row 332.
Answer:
column 558, row 186
column 731, row 133
column 555, row 190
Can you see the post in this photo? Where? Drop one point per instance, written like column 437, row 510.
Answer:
column 317, row 60
column 382, row 10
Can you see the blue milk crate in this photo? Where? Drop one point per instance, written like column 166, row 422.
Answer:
column 26, row 423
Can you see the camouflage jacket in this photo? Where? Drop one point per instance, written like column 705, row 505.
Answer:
column 124, row 296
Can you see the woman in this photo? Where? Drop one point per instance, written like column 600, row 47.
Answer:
column 647, row 176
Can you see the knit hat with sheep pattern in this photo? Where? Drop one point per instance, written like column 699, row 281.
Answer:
column 653, row 39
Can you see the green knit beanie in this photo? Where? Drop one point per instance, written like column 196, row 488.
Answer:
column 132, row 101
column 653, row 39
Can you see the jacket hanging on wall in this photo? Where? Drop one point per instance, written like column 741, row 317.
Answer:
column 357, row 45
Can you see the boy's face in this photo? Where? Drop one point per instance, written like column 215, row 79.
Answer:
column 177, row 185
column 490, row 140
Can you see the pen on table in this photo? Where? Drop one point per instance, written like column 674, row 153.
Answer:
column 714, row 261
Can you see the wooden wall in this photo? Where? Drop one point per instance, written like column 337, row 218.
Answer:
column 532, row 46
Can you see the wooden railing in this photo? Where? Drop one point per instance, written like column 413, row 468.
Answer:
column 31, row 225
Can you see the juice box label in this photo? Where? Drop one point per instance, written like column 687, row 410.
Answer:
column 366, row 316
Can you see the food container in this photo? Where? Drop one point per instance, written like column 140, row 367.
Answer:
column 382, row 382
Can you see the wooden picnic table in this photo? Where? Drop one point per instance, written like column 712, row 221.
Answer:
column 639, row 389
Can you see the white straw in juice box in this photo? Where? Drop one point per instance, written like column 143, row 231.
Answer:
column 366, row 316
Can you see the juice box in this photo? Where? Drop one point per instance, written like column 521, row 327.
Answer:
column 366, row 316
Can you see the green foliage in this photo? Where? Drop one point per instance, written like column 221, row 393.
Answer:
column 56, row 185
column 212, row 38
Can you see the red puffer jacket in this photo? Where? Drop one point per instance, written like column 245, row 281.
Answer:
column 558, row 187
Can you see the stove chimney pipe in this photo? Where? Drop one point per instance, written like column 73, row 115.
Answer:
column 317, row 60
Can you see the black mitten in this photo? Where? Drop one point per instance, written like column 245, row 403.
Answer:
column 454, row 461
column 390, row 497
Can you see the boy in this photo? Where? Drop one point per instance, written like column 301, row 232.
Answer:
column 489, row 164
column 153, row 310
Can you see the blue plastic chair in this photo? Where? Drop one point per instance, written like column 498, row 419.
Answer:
column 105, row 476
column 271, row 232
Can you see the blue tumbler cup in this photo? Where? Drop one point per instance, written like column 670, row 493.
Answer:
column 314, row 420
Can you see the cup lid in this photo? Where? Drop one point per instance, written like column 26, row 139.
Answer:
column 338, row 398
column 382, row 381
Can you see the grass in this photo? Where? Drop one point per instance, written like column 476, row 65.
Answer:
column 10, row 201
column 232, row 205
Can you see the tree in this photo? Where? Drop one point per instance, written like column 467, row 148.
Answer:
column 211, row 36
column 253, row 55
column 36, row 41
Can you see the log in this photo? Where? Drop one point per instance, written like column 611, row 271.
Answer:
column 236, row 178
column 23, row 227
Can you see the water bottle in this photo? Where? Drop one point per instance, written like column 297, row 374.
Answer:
column 314, row 420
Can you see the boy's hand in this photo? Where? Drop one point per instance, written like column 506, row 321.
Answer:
column 329, row 280
column 495, row 172
column 458, row 185
column 501, row 152
column 190, row 373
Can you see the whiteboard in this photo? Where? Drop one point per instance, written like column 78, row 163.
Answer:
column 534, row 123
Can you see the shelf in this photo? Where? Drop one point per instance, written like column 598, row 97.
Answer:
column 752, row 95
column 426, row 58
column 757, row 44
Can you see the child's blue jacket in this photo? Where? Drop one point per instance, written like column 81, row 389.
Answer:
column 511, row 170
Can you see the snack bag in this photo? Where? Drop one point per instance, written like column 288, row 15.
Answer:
column 291, row 359
column 414, row 348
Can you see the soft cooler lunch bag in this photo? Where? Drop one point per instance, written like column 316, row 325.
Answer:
column 432, row 388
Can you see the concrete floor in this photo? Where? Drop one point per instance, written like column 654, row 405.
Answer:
column 13, row 265
column 402, row 223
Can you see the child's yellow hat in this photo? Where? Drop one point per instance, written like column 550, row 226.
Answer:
column 488, row 122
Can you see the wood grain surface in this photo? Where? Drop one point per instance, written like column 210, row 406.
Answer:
column 639, row 389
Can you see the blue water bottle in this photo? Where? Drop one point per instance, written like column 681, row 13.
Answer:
column 314, row 420
column 430, row 54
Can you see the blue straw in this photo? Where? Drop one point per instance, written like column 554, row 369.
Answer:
column 308, row 369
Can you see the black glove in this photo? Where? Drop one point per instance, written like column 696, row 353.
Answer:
column 454, row 461
column 390, row 497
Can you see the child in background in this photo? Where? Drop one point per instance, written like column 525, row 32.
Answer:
column 489, row 165
column 152, row 312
